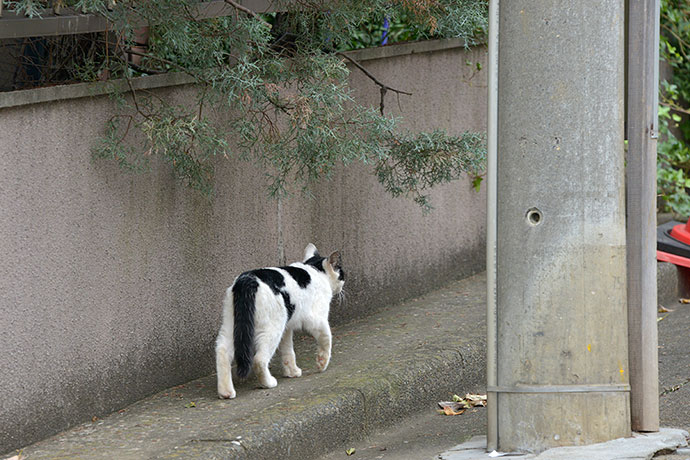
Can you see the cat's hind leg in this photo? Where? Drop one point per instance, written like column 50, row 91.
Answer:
column 269, row 322
column 266, row 345
column 225, row 350
column 287, row 354
column 224, row 353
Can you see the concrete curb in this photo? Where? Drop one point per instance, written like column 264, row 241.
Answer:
column 352, row 414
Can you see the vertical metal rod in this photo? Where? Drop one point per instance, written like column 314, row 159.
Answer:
column 281, row 241
column 643, row 77
column 492, row 151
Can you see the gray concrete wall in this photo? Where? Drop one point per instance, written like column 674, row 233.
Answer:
column 110, row 283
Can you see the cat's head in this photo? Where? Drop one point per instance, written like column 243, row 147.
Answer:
column 331, row 265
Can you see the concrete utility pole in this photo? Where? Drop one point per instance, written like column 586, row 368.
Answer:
column 561, row 345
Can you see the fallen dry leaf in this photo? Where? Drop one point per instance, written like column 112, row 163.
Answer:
column 449, row 411
column 451, row 407
column 684, row 300
column 470, row 400
column 476, row 400
column 663, row 309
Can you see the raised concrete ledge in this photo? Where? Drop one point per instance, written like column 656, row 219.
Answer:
column 394, row 363
column 79, row 90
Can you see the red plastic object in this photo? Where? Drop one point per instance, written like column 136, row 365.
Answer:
column 672, row 258
column 681, row 232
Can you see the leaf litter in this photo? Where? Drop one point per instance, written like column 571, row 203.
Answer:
column 459, row 404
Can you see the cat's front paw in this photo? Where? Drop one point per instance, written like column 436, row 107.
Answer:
column 269, row 382
column 227, row 394
column 322, row 360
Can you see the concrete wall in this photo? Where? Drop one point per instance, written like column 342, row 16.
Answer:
column 110, row 283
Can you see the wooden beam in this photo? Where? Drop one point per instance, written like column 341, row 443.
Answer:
column 642, row 103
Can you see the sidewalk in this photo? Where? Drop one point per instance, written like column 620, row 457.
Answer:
column 397, row 362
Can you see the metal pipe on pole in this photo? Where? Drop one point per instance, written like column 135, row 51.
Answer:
column 491, row 147
column 561, row 341
column 643, row 128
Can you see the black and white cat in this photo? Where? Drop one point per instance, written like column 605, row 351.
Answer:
column 264, row 307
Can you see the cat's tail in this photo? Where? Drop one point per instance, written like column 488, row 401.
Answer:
column 244, row 296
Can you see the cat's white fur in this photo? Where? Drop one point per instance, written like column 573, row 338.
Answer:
column 272, row 330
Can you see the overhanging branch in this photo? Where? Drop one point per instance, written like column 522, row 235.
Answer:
column 384, row 88
column 244, row 9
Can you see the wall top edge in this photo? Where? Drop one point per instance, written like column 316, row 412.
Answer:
column 80, row 90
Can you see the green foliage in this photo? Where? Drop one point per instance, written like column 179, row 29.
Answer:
column 281, row 89
column 370, row 33
column 673, row 167
column 444, row 19
column 418, row 162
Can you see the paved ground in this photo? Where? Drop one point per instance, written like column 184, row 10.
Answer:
column 422, row 436
column 640, row 446
column 674, row 366
column 674, row 371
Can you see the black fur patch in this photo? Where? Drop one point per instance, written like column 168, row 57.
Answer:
column 341, row 273
column 289, row 306
column 276, row 281
column 244, row 295
column 300, row 275
column 272, row 278
column 316, row 262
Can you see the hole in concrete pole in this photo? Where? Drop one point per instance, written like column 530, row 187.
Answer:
column 534, row 216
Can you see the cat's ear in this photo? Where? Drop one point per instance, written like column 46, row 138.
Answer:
column 335, row 259
column 310, row 251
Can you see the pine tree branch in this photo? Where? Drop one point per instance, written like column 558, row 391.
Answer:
column 384, row 88
column 166, row 61
column 244, row 9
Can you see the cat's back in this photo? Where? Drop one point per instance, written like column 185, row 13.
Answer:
column 298, row 279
